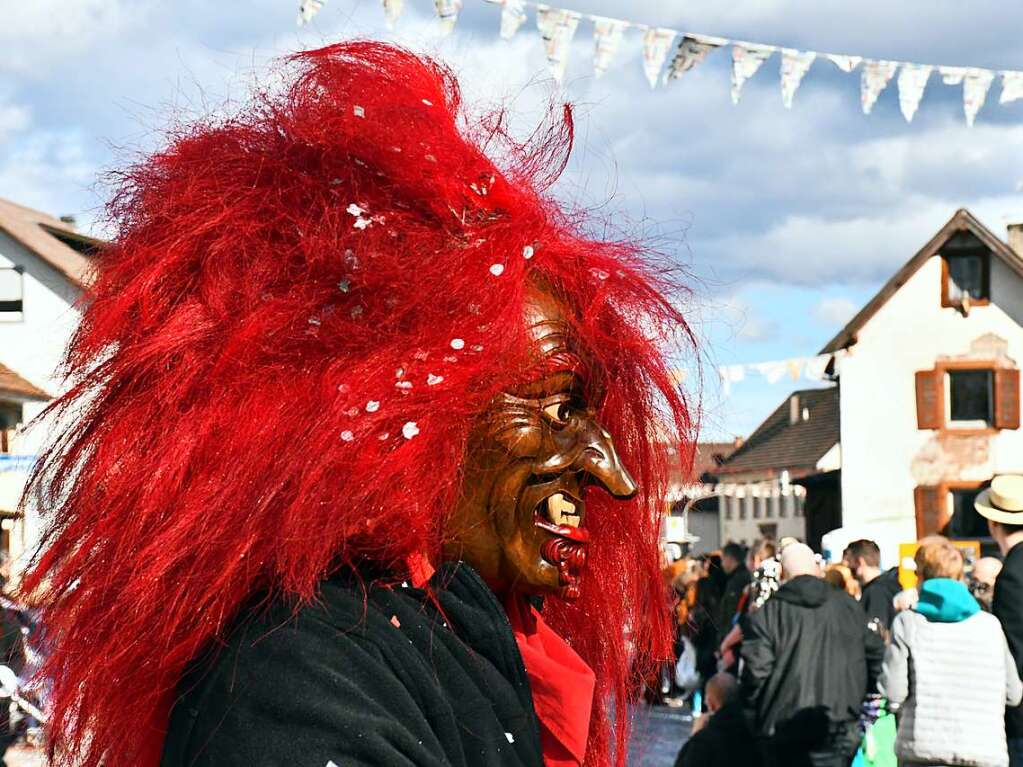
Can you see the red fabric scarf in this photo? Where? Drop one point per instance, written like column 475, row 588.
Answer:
column 561, row 682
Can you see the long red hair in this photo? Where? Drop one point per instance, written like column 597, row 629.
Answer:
column 342, row 240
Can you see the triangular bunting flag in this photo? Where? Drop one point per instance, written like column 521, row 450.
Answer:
column 692, row 49
column 975, row 87
column 876, row 75
column 1012, row 87
column 746, row 60
column 307, row 9
column 794, row 64
column 952, row 75
column 513, row 13
column 656, row 44
column 447, row 13
column 607, row 36
column 912, row 81
column 557, row 28
column 843, row 62
column 392, row 11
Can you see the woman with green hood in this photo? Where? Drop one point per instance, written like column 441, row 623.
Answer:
column 949, row 669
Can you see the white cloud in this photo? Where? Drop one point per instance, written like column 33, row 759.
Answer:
column 739, row 318
column 834, row 311
column 36, row 36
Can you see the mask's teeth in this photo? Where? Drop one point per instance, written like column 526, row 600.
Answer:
column 562, row 511
column 555, row 508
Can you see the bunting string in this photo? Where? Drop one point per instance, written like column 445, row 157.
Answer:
column 665, row 60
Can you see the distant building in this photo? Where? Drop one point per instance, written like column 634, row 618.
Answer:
column 44, row 264
column 762, row 484
column 930, row 394
column 693, row 500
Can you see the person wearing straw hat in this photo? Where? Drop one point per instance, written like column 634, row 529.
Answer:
column 1002, row 506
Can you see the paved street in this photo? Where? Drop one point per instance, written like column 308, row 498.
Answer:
column 656, row 738
column 658, row 733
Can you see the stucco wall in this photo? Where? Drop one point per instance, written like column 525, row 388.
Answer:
column 884, row 455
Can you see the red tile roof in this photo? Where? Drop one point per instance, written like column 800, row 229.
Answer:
column 779, row 445
column 13, row 384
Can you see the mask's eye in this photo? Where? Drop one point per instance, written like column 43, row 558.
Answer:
column 558, row 412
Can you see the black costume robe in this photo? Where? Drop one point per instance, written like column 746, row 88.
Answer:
column 369, row 675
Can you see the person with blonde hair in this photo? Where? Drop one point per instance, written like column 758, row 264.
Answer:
column 841, row 577
column 949, row 668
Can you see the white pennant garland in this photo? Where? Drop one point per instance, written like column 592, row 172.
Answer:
column 845, row 63
column 656, row 44
column 392, row 11
column 692, row 49
column 794, row 65
column 447, row 13
column 557, row 28
column 952, row 75
column 876, row 75
column 607, row 36
column 1012, row 87
column 976, row 83
column 912, row 81
column 746, row 60
column 513, row 14
column 307, row 9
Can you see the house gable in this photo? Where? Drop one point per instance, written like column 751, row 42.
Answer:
column 963, row 222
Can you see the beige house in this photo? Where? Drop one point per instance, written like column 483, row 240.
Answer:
column 44, row 265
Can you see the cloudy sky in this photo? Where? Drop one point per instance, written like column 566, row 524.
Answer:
column 787, row 220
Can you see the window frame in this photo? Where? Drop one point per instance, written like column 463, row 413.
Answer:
column 968, row 426
column 944, row 490
column 927, row 416
column 985, row 256
column 15, row 315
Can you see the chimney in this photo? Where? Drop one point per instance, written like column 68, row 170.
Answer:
column 1016, row 238
column 794, row 411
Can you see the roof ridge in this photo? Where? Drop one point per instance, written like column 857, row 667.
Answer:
column 961, row 220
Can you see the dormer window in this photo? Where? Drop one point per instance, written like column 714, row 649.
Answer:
column 965, row 273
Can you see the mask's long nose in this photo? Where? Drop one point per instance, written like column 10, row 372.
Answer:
column 600, row 460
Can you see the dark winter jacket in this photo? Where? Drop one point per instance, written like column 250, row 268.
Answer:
column 1007, row 605
column 726, row 741
column 364, row 677
column 734, row 586
column 809, row 661
column 878, row 598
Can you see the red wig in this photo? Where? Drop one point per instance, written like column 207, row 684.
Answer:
column 292, row 294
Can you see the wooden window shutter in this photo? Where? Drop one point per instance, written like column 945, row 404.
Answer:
column 1006, row 398
column 930, row 509
column 930, row 406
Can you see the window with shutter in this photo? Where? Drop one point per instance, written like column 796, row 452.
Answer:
column 1006, row 398
column 931, row 509
column 930, row 407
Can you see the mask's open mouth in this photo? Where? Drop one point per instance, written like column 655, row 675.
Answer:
column 562, row 515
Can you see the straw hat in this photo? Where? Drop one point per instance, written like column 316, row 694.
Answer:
column 1003, row 501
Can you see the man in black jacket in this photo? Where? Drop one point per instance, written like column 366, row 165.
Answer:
column 733, row 562
column 1002, row 505
column 863, row 558
column 809, row 662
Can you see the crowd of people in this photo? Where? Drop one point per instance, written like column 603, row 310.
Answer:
column 788, row 660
